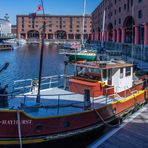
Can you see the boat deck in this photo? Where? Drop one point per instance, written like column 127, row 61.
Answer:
column 56, row 101
column 131, row 134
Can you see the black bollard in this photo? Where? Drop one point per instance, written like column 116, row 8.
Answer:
column 87, row 102
column 3, row 98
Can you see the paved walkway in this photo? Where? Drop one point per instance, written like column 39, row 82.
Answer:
column 133, row 133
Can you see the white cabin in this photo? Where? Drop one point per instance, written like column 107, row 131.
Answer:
column 119, row 75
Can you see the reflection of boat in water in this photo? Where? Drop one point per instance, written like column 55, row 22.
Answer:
column 97, row 94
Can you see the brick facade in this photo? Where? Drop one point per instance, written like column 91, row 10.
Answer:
column 61, row 27
column 14, row 29
column 125, row 21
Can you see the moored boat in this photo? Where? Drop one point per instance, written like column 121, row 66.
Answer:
column 5, row 46
column 82, row 55
column 97, row 94
column 67, row 46
column 81, row 52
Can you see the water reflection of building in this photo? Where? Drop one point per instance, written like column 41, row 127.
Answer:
column 126, row 21
column 5, row 28
column 57, row 27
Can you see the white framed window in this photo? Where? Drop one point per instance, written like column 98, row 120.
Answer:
column 121, row 73
column 128, row 71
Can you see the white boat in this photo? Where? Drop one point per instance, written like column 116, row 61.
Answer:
column 46, row 43
column 21, row 41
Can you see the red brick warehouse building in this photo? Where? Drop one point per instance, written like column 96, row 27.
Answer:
column 57, row 27
column 126, row 21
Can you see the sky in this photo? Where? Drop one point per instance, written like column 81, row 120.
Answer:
column 53, row 7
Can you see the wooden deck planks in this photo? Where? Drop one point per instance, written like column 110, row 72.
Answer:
column 133, row 135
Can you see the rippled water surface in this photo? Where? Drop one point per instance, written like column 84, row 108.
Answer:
column 24, row 63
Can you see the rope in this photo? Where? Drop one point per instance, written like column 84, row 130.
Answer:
column 110, row 125
column 107, row 124
column 19, row 129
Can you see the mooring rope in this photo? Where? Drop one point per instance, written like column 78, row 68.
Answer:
column 107, row 124
column 19, row 129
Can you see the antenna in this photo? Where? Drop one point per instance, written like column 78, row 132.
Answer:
column 84, row 10
column 41, row 57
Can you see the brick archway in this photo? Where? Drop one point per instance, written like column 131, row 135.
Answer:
column 60, row 34
column 33, row 34
column 110, row 32
column 128, row 24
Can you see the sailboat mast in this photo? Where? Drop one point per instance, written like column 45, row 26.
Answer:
column 41, row 55
column 84, row 10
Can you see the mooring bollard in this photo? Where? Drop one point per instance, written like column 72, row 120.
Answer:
column 87, row 102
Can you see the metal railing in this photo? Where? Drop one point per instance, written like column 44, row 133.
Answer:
column 115, row 95
column 30, row 85
column 57, row 103
column 17, row 84
column 140, row 51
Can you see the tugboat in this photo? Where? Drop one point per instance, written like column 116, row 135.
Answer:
column 98, row 94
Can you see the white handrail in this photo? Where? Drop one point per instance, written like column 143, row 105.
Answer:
column 48, row 80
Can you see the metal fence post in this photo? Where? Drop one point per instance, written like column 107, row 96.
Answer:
column 58, row 110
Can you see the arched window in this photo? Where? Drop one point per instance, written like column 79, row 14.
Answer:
column 60, row 34
column 33, row 34
column 128, row 24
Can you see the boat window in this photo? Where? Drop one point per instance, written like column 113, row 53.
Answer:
column 85, row 70
column 128, row 71
column 105, row 74
column 90, row 73
column 110, row 73
column 80, row 71
column 95, row 70
column 121, row 73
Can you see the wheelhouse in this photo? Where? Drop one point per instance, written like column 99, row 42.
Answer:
column 112, row 74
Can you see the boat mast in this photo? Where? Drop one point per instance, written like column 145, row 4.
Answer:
column 103, row 28
column 41, row 55
column 84, row 10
